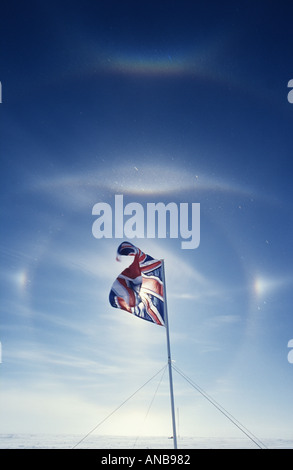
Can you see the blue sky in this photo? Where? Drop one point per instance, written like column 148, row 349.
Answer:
column 169, row 102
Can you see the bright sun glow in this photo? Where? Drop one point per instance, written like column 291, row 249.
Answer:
column 263, row 286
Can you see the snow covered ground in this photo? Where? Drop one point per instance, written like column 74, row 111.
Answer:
column 44, row 441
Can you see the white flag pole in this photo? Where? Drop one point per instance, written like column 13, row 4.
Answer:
column 169, row 357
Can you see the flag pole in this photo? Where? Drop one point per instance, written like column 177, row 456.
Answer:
column 169, row 357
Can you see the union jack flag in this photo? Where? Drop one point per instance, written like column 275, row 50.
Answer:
column 139, row 288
